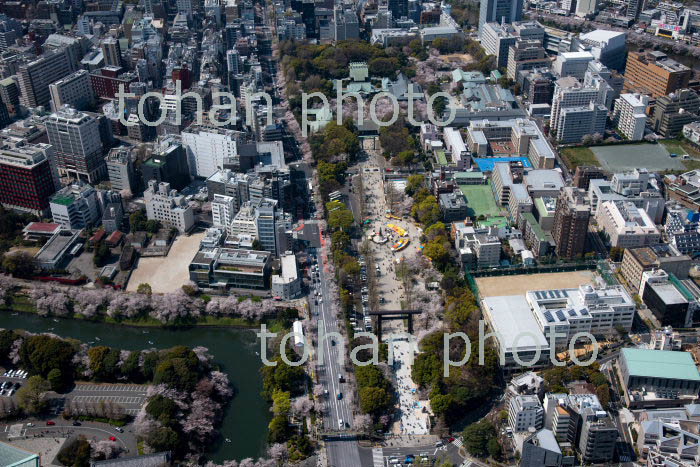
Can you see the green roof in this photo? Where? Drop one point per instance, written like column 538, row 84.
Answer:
column 441, row 157
column 155, row 162
column 11, row 456
column 661, row 364
column 63, row 199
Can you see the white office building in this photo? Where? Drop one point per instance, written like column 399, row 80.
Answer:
column 525, row 412
column 629, row 115
column 627, row 225
column 287, row 285
column 207, row 147
column 76, row 206
column 223, row 210
column 168, row 206
column 576, row 111
column 572, row 64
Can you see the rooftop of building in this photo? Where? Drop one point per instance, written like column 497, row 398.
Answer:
column 512, row 319
column 56, row 245
column 660, row 364
column 11, row 455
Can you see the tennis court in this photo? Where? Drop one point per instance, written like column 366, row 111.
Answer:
column 625, row 157
column 480, row 200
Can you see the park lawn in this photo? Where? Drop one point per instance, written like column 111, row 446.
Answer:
column 674, row 147
column 579, row 156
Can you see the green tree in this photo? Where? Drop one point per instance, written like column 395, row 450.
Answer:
column 340, row 219
column 257, row 245
column 176, row 373
column 41, row 354
column 30, row 397
column 494, row 448
column 19, row 264
column 75, row 453
column 442, row 404
column 476, row 437
column 162, row 409
column 55, row 379
column 102, row 254
column 281, row 403
column 437, row 252
column 144, row 289
column 103, row 363
column 414, row 183
column 374, row 400
column 137, row 221
column 164, row 439
column 152, row 226
column 278, row 429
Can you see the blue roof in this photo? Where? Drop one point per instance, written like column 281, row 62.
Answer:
column 486, row 164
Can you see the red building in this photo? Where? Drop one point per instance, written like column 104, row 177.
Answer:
column 28, row 176
column 106, row 81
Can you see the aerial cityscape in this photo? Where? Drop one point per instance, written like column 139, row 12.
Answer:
column 349, row 233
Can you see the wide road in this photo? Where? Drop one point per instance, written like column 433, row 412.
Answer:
column 342, row 452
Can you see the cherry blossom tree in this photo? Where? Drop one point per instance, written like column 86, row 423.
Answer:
column 302, row 406
column 278, row 452
column 105, row 449
column 362, row 422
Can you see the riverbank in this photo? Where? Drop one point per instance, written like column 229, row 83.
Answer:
column 19, row 302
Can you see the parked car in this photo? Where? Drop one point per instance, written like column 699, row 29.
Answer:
column 112, row 438
column 50, row 423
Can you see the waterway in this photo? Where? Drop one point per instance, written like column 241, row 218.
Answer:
column 234, row 350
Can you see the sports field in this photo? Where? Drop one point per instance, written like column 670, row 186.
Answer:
column 625, row 157
column 480, row 200
column 519, row 284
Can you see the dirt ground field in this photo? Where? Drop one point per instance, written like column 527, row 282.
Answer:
column 518, row 285
column 458, row 59
column 169, row 273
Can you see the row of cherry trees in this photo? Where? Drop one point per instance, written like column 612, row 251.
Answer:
column 59, row 300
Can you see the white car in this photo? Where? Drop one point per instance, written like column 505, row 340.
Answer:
column 341, row 425
column 320, row 300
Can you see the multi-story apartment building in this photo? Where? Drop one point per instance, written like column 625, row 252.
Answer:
column 77, row 140
column 655, row 74
column 75, row 90
column 76, row 206
column 168, row 206
column 571, row 223
column 662, row 256
column 630, row 116
column 576, row 110
column 507, row 11
column 525, row 412
column 34, row 77
column 120, row 170
column 626, row 225
column 526, row 55
column 496, row 40
column 28, row 176
column 223, row 210
column 111, row 51
column 674, row 111
column 168, row 163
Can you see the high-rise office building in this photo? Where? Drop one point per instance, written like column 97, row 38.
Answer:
column 35, row 77
column 77, row 139
column 111, row 51
column 207, row 147
column 398, row 8
column 655, row 74
column 674, row 111
column 500, row 11
column 571, row 223
column 28, row 176
column 75, row 90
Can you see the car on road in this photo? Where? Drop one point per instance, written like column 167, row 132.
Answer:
column 119, row 429
column 30, row 425
column 50, row 423
column 341, row 424
column 409, row 459
column 112, row 438
column 339, row 396
column 76, row 423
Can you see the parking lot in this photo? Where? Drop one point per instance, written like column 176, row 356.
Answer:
column 128, row 396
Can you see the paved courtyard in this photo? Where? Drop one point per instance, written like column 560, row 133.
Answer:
column 412, row 419
column 519, row 284
column 625, row 157
column 167, row 273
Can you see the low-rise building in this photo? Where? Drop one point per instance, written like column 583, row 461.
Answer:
column 659, row 378
column 453, row 206
column 76, row 206
column 672, row 301
column 477, row 248
column 55, row 254
column 287, row 285
column 541, row 449
column 231, row 269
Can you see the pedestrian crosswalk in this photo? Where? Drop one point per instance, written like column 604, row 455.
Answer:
column 458, row 442
column 466, row 464
column 624, row 458
column 377, row 457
